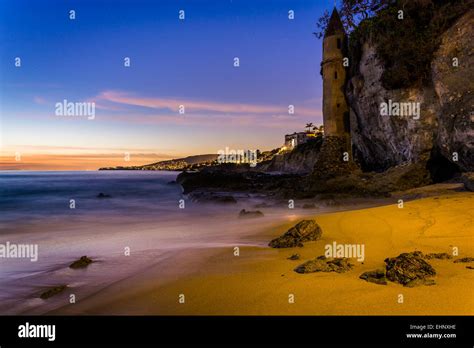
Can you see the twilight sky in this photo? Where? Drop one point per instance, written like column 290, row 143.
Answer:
column 173, row 62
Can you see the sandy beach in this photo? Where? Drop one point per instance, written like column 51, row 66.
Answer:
column 260, row 280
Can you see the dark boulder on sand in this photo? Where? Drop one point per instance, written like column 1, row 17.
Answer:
column 303, row 231
column 53, row 291
column 103, row 195
column 250, row 214
column 377, row 277
column 83, row 262
column 409, row 269
column 321, row 264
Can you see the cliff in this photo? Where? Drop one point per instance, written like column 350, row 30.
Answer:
column 299, row 161
column 442, row 136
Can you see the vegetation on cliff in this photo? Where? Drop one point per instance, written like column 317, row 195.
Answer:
column 406, row 32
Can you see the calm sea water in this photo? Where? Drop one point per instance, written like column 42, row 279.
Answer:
column 47, row 195
column 142, row 214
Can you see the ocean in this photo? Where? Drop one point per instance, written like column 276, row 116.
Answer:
column 138, row 224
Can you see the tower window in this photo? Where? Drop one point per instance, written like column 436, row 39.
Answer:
column 339, row 43
column 335, row 75
column 338, row 105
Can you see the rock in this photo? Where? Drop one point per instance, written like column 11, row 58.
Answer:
column 339, row 265
column 300, row 160
column 294, row 257
column 464, row 259
column 468, row 180
column 309, row 206
column 103, row 195
column 469, row 267
column 83, row 262
column 377, row 277
column 303, row 231
column 407, row 267
column 441, row 256
column 52, row 291
column 250, row 214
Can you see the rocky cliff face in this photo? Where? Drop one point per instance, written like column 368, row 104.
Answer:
column 299, row 161
column 445, row 125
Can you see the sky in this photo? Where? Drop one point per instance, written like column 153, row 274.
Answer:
column 173, row 62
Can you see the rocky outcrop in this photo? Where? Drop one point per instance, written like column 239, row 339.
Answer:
column 300, row 160
column 231, row 179
column 409, row 269
column 303, row 231
column 445, row 124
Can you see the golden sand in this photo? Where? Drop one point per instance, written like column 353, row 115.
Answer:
column 260, row 280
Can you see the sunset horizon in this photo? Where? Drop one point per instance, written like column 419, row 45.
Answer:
column 137, row 95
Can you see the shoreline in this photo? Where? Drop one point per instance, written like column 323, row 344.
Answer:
column 260, row 279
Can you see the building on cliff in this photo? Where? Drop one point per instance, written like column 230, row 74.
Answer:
column 295, row 139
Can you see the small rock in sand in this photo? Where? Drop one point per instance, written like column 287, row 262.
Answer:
column 294, row 257
column 377, row 277
column 103, row 195
column 464, row 259
column 303, row 231
column 441, row 256
column 339, row 265
column 52, row 291
column 83, row 262
column 419, row 281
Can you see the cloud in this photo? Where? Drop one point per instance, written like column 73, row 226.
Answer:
column 200, row 107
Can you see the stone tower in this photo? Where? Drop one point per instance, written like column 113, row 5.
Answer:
column 335, row 155
column 335, row 109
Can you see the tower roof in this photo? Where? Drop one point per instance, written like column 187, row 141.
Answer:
column 334, row 25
